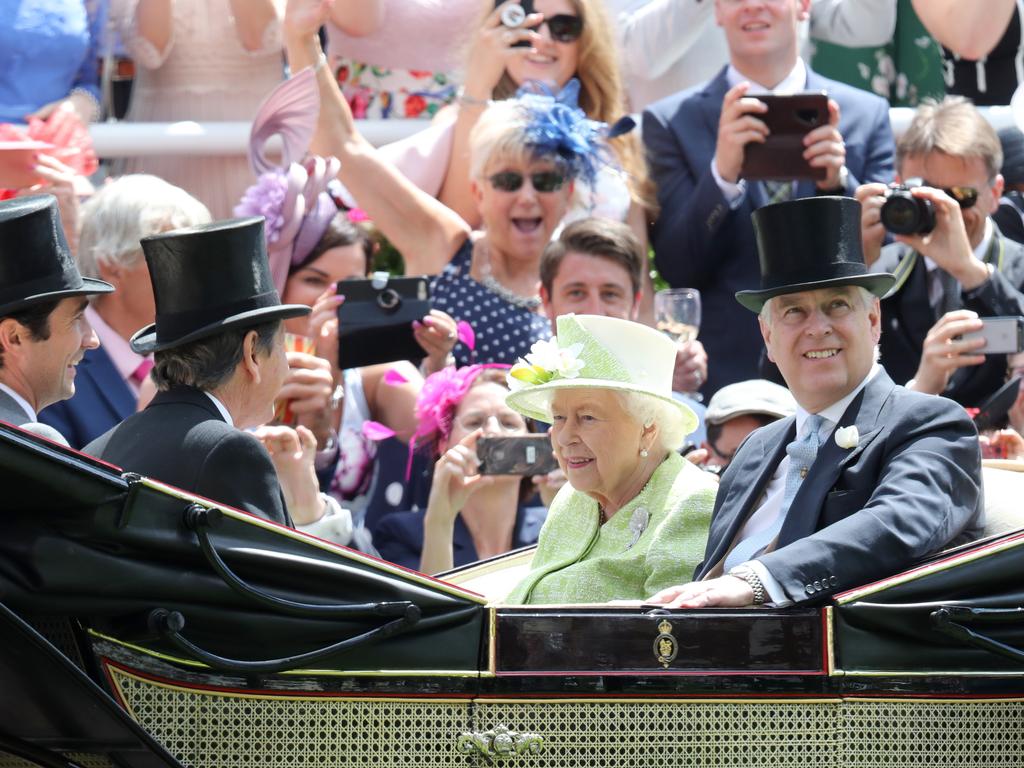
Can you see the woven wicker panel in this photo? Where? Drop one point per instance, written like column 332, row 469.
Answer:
column 204, row 730
column 85, row 760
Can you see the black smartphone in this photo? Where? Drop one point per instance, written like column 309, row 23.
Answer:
column 781, row 156
column 993, row 412
column 375, row 321
column 1003, row 335
column 527, row 9
column 516, row 455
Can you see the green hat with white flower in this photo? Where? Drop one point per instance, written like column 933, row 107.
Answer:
column 597, row 352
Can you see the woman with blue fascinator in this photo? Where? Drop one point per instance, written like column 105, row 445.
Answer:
column 526, row 156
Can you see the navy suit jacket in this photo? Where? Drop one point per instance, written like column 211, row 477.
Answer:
column 102, row 400
column 907, row 316
column 181, row 439
column 700, row 242
column 399, row 536
column 911, row 486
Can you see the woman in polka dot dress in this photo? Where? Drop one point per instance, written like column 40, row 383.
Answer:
column 525, row 155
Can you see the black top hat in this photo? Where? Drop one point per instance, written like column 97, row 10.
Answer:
column 207, row 279
column 810, row 243
column 35, row 262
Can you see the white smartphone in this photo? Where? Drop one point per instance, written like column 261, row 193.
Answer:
column 1003, row 335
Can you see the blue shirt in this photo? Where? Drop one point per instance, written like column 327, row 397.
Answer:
column 47, row 47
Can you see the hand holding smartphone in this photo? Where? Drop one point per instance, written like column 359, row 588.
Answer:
column 1003, row 335
column 781, row 156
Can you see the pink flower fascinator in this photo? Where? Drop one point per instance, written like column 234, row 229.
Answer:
column 292, row 196
column 440, row 396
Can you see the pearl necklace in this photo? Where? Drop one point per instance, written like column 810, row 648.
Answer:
column 531, row 303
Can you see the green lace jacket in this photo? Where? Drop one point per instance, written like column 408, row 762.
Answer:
column 653, row 542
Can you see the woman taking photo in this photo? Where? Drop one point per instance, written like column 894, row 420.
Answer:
column 469, row 516
column 525, row 155
column 634, row 514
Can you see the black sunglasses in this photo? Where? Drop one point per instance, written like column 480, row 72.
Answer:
column 542, row 181
column 966, row 197
column 563, row 27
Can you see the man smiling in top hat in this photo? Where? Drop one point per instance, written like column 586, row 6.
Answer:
column 868, row 476
column 220, row 361
column 43, row 330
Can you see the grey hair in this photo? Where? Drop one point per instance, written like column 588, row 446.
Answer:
column 126, row 210
column 867, row 300
column 208, row 363
column 669, row 420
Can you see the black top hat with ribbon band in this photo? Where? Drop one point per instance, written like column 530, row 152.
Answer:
column 208, row 279
column 810, row 243
column 36, row 264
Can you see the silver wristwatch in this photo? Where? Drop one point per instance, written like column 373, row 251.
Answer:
column 746, row 573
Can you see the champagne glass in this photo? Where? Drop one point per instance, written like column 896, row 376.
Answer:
column 677, row 315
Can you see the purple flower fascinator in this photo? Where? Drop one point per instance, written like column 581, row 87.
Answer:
column 293, row 196
column 557, row 126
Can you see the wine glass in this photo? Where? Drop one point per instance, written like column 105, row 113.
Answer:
column 677, row 315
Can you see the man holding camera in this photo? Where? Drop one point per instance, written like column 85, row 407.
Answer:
column 954, row 267
column 696, row 142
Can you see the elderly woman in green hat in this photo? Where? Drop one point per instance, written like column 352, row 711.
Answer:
column 634, row 515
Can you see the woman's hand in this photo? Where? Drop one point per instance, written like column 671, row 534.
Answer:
column 308, row 389
column 492, row 49
column 691, row 369
column 456, row 477
column 303, row 18
column 57, row 179
column 81, row 105
column 549, row 485
column 437, row 334
column 323, row 327
column 293, row 452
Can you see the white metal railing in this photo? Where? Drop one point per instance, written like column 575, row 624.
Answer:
column 189, row 138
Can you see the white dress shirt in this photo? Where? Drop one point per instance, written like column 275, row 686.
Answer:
column 766, row 514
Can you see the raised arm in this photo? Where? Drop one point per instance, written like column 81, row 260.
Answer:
column 969, row 28
column 421, row 228
column 853, row 23
column 655, row 36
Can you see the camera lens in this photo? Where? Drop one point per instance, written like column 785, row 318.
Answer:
column 904, row 214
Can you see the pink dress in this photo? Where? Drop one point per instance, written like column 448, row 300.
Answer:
column 205, row 75
column 407, row 68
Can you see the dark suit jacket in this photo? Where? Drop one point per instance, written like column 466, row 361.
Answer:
column 907, row 317
column 182, row 440
column 399, row 536
column 910, row 487
column 699, row 242
column 102, row 400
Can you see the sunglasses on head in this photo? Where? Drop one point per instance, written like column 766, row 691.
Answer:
column 564, row 28
column 966, row 197
column 542, row 181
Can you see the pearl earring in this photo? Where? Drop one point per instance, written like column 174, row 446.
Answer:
column 644, row 453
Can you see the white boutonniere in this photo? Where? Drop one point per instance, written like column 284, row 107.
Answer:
column 847, row 437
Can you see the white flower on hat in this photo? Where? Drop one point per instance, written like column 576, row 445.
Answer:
column 847, row 437
column 546, row 361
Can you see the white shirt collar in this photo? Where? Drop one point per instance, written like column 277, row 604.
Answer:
column 794, row 82
column 220, row 407
column 20, row 401
column 833, row 413
column 979, row 252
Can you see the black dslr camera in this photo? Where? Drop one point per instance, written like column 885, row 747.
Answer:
column 904, row 214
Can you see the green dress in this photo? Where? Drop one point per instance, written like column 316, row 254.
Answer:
column 653, row 542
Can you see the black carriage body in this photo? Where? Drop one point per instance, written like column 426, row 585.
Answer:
column 144, row 630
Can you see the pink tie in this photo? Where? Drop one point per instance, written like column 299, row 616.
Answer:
column 139, row 374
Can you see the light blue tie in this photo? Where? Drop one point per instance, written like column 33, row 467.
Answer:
column 801, row 456
column 778, row 191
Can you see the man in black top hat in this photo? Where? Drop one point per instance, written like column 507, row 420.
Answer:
column 867, row 477
column 43, row 330
column 220, row 361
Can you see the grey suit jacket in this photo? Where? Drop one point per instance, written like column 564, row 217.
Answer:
column 13, row 413
column 911, row 486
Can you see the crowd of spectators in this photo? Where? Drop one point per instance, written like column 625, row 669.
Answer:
column 529, row 193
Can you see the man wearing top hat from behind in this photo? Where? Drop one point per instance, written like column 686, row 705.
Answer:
column 43, row 329
column 220, row 361
column 867, row 477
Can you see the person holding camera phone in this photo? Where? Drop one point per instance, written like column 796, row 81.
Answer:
column 696, row 142
column 313, row 249
column 469, row 516
column 953, row 266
